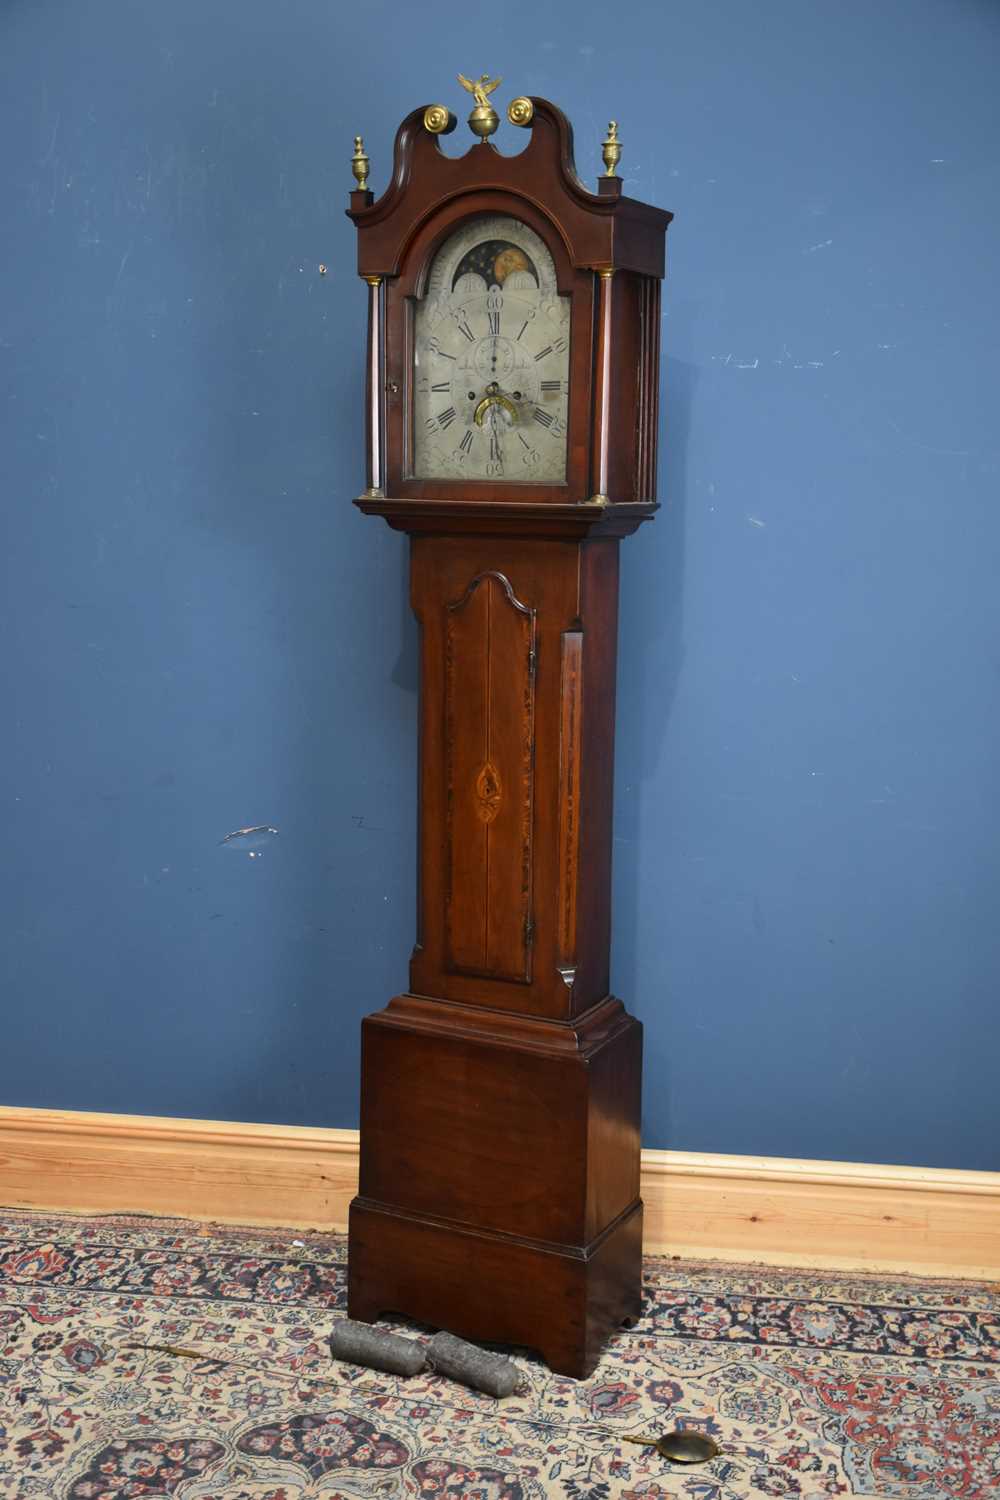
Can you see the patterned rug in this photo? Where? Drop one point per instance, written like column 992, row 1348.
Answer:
column 814, row 1384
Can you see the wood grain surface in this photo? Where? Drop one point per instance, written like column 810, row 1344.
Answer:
column 834, row 1215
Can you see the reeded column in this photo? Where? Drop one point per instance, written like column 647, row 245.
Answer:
column 602, row 390
column 375, row 391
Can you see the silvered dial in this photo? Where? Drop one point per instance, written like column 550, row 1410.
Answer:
column 491, row 357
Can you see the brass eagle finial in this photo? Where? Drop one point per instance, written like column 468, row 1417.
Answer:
column 481, row 88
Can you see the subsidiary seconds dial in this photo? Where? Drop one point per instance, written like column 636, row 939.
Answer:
column 491, row 359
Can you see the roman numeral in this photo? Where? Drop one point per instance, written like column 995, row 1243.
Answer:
column 547, row 385
column 445, row 385
column 542, row 417
column 494, row 320
column 466, row 444
column 445, row 418
column 523, row 327
column 543, row 352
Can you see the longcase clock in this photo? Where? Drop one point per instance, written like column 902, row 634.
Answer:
column 512, row 395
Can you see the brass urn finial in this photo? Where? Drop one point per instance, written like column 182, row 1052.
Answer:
column 484, row 119
column 611, row 149
column 360, row 164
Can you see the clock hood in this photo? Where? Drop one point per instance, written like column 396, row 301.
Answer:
column 604, row 229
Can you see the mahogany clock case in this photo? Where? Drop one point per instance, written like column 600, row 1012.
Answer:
column 499, row 1190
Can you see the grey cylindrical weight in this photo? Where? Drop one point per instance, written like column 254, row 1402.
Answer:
column 360, row 1344
column 473, row 1366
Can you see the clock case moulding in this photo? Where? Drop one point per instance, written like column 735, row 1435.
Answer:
column 500, row 1096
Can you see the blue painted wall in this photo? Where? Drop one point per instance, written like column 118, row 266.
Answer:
column 199, row 632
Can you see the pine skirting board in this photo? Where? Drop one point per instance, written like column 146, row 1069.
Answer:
column 779, row 1211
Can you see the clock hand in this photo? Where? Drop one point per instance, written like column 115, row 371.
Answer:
column 496, row 450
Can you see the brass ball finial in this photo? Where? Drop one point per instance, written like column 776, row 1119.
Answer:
column 483, row 121
column 611, row 149
column 520, row 111
column 360, row 164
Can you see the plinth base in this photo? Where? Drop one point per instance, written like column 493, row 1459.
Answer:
column 562, row 1301
column 499, row 1193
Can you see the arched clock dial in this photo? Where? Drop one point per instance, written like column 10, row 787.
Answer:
column 491, row 359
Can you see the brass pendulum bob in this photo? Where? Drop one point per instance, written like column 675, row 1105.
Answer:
column 681, row 1446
